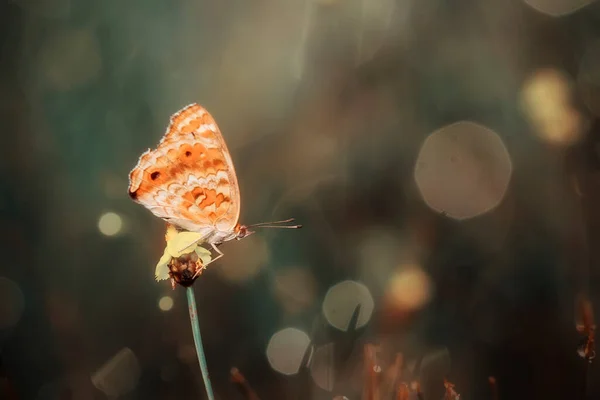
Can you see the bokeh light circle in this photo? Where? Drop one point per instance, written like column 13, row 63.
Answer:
column 110, row 224
column 286, row 350
column 408, row 289
column 557, row 8
column 165, row 303
column 119, row 375
column 342, row 300
column 546, row 101
column 463, row 170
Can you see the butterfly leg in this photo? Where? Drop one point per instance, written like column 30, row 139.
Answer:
column 220, row 254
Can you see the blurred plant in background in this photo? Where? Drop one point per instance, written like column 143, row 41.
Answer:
column 442, row 157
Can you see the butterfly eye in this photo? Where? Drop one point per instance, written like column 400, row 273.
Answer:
column 188, row 153
column 154, row 175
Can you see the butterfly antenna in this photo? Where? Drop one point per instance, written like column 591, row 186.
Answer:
column 279, row 226
column 276, row 224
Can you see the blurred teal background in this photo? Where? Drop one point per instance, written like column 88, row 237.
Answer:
column 442, row 156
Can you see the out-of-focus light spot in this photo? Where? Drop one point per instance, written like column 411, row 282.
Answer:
column 409, row 289
column 245, row 259
column 546, row 100
column 119, row 375
column 70, row 58
column 165, row 303
column 286, row 350
column 295, row 288
column 12, row 303
column 110, row 224
column 588, row 77
column 463, row 170
column 342, row 300
column 322, row 367
column 557, row 8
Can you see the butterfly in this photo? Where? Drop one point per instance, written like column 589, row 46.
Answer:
column 189, row 181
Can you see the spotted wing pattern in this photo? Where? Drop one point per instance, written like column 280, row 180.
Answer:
column 189, row 179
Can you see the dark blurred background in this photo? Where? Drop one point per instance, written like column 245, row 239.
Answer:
column 443, row 157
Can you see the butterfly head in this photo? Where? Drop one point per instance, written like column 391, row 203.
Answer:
column 241, row 231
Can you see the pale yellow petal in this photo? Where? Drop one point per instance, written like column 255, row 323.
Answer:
column 171, row 232
column 204, row 255
column 162, row 268
column 183, row 243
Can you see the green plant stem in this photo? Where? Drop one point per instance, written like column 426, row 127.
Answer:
column 198, row 341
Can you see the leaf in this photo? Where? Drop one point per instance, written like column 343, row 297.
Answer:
column 183, row 243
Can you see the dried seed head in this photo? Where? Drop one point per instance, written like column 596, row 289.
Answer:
column 185, row 269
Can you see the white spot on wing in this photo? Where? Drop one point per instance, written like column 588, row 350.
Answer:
column 208, row 182
column 192, row 181
column 161, row 196
column 207, row 127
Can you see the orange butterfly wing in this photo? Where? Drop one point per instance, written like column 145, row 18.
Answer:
column 189, row 180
